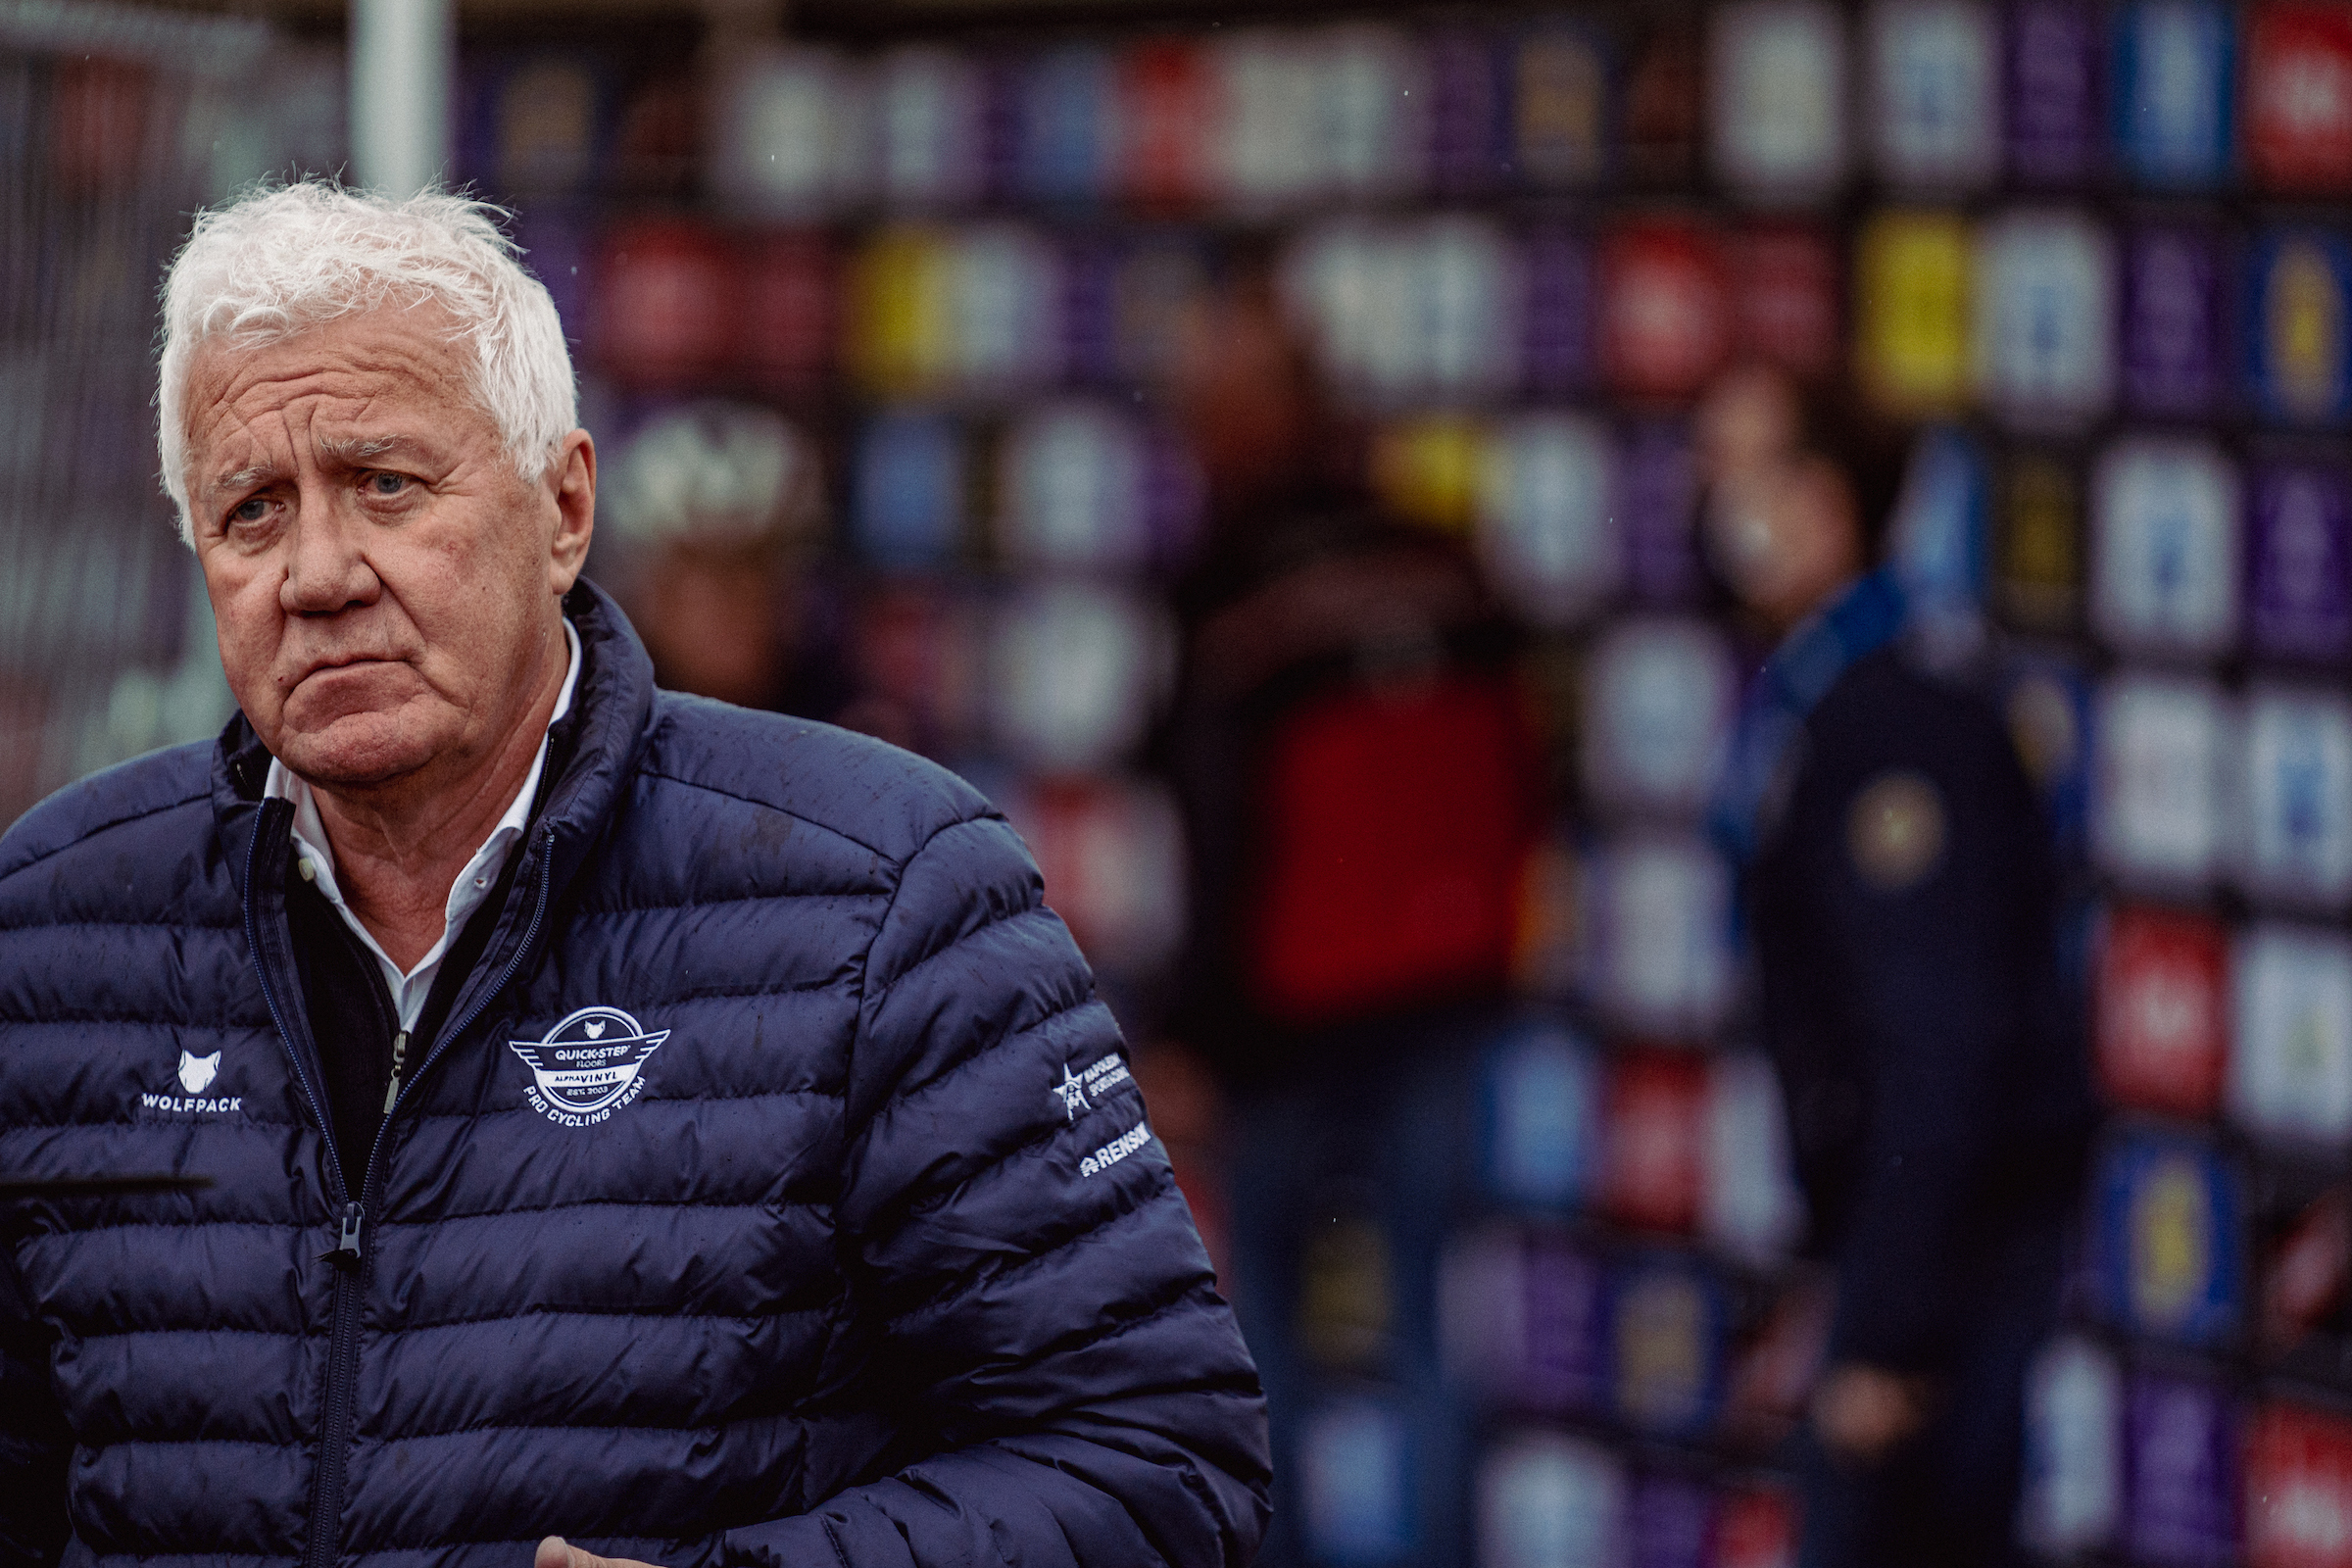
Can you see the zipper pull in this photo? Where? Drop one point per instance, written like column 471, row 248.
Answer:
column 347, row 1243
column 400, row 1053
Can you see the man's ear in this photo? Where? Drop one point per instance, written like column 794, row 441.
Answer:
column 572, row 479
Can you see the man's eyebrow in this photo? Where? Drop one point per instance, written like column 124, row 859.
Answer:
column 239, row 478
column 354, row 452
column 367, row 449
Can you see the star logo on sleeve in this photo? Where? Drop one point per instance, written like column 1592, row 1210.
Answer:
column 1072, row 1090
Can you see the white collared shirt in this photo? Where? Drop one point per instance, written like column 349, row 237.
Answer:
column 317, row 862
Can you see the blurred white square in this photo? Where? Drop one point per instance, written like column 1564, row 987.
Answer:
column 928, row 106
column 2162, row 746
column 1659, row 697
column 1350, row 286
column 1077, row 673
column 1006, row 294
column 1267, row 99
column 2045, row 318
column 2165, row 547
column 1547, row 520
column 1750, row 1206
column 1402, row 312
column 1356, row 1481
column 2295, row 801
column 1936, row 93
column 2291, row 1062
column 1071, row 477
column 1371, row 111
column 1551, row 1502
column 791, row 138
column 1779, row 90
column 2073, row 1490
column 1467, row 299
column 1543, row 1118
column 1660, row 928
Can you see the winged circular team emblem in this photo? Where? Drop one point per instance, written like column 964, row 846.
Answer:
column 587, row 1065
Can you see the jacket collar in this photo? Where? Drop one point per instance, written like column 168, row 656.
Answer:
column 1867, row 615
column 593, row 750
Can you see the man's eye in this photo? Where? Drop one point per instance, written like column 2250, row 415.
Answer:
column 388, row 484
column 251, row 511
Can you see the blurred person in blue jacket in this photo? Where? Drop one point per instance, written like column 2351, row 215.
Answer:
column 640, row 1128
column 1900, row 889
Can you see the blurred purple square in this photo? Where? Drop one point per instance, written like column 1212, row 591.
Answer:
column 1469, row 135
column 2300, row 549
column 2182, row 1457
column 1658, row 499
column 1001, row 125
column 2173, row 321
column 1564, row 1370
column 2053, row 92
column 1672, row 1520
column 1090, row 321
column 1560, row 313
column 1174, row 501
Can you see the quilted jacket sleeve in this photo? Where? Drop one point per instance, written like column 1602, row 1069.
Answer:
column 33, row 1444
column 1041, row 1301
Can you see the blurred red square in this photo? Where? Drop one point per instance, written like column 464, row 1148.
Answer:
column 2299, row 97
column 787, row 336
column 2298, row 1490
column 1164, row 96
column 99, row 124
column 1665, row 309
column 665, row 313
column 1113, row 859
column 1786, row 297
column 1757, row 1529
column 1656, row 1138
column 1395, row 829
column 2163, row 1010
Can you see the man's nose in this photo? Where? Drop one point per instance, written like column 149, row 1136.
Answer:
column 326, row 563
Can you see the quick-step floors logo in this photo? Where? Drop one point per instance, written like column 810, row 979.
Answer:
column 588, row 1065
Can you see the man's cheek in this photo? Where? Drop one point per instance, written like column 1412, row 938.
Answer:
column 249, row 626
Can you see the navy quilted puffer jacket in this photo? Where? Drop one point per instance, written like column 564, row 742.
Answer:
column 867, row 1259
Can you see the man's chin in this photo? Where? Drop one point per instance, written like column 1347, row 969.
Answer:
column 360, row 752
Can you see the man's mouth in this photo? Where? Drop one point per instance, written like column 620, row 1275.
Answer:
column 350, row 663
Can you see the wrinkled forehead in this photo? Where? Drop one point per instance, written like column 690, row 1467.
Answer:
column 409, row 364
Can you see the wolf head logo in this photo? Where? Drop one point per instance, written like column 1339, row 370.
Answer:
column 196, row 1072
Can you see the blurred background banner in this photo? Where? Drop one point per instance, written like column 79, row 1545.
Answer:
column 893, row 319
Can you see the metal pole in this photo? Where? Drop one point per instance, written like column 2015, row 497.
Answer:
column 403, row 53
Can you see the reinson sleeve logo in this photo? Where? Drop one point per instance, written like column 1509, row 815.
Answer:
column 1081, row 1092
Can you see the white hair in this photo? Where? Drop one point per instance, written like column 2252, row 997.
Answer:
column 276, row 260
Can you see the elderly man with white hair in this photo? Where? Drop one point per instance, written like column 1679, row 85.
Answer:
column 635, row 1125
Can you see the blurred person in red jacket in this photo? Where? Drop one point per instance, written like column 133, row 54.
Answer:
column 1900, row 887
column 1361, row 793
column 1348, row 685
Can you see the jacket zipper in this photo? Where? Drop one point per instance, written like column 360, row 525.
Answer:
column 320, row 1547
column 400, row 1053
